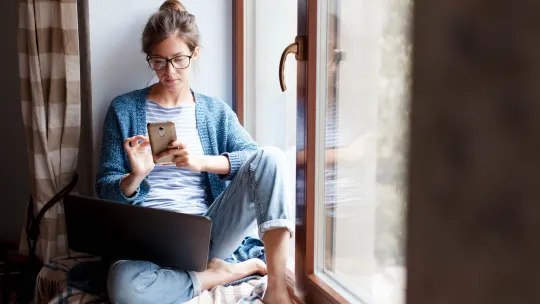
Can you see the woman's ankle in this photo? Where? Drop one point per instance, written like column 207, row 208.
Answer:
column 277, row 294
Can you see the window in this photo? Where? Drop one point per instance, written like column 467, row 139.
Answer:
column 361, row 142
column 473, row 117
column 358, row 84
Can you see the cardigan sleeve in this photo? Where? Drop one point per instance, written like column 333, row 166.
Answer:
column 112, row 167
column 240, row 145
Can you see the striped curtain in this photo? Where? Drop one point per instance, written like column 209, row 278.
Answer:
column 50, row 99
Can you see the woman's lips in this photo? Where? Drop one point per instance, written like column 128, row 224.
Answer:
column 171, row 81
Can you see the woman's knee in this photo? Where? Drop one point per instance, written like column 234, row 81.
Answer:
column 145, row 282
column 120, row 281
column 272, row 156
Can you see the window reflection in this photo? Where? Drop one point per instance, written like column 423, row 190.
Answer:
column 364, row 105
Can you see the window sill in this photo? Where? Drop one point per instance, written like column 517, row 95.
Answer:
column 387, row 287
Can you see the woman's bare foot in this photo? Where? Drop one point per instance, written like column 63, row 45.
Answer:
column 238, row 270
column 220, row 272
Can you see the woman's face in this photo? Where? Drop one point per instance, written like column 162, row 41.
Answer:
column 175, row 73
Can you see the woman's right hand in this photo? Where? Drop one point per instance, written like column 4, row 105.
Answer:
column 140, row 157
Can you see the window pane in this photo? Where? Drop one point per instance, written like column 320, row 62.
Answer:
column 362, row 139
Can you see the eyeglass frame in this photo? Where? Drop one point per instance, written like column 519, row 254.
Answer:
column 169, row 60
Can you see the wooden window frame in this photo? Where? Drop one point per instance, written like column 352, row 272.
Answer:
column 314, row 289
column 238, row 58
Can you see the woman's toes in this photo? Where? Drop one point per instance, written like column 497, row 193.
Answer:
column 260, row 267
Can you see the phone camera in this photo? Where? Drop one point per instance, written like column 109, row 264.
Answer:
column 161, row 131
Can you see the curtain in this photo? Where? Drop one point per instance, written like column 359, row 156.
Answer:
column 50, row 99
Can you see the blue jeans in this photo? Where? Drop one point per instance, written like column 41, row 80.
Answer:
column 257, row 192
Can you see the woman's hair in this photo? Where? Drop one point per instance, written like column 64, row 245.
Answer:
column 172, row 18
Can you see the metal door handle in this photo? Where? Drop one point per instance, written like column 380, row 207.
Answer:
column 298, row 49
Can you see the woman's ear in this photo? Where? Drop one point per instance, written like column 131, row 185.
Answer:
column 196, row 53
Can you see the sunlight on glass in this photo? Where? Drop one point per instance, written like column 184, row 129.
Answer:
column 362, row 141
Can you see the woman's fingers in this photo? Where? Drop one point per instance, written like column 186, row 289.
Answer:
column 175, row 152
column 127, row 144
column 144, row 144
column 140, row 139
column 177, row 145
column 178, row 160
column 133, row 142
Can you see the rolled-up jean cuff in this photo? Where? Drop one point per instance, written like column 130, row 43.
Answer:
column 196, row 283
column 275, row 224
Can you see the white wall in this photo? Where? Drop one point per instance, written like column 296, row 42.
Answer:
column 270, row 113
column 119, row 66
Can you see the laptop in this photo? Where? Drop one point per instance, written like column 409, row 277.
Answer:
column 122, row 231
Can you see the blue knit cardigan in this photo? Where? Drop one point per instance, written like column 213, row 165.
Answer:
column 218, row 127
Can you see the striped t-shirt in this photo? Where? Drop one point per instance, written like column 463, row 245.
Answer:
column 172, row 188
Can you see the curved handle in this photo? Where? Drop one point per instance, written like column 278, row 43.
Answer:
column 292, row 48
column 297, row 49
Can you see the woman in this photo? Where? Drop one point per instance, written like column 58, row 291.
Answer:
column 212, row 148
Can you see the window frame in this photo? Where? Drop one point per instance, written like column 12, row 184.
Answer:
column 307, row 286
column 314, row 289
column 238, row 58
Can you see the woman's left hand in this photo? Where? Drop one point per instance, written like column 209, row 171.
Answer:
column 183, row 158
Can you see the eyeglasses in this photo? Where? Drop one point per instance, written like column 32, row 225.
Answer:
column 157, row 63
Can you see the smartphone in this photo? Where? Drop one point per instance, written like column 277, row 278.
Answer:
column 161, row 134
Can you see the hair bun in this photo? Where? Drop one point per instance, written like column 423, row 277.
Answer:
column 173, row 5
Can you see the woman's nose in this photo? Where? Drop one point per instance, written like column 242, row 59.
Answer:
column 170, row 68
